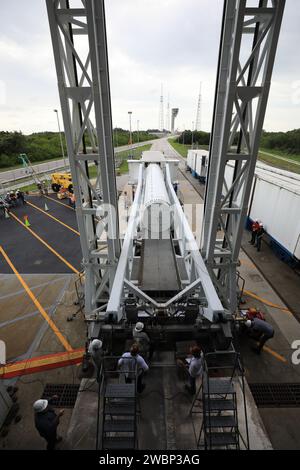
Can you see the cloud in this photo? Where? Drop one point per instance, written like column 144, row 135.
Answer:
column 151, row 42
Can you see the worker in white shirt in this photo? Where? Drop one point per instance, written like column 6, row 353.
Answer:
column 132, row 364
column 194, row 367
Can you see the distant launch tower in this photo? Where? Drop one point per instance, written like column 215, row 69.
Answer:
column 175, row 112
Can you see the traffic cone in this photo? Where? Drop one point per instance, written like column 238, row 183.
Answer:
column 27, row 224
column 46, row 208
column 7, row 216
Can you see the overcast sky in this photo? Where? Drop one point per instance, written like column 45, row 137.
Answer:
column 151, row 42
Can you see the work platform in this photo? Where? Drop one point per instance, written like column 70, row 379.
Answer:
column 164, row 420
column 159, row 269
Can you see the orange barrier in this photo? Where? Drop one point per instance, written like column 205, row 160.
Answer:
column 41, row 363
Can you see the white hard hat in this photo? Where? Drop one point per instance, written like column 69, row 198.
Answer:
column 96, row 344
column 249, row 323
column 40, row 405
column 139, row 326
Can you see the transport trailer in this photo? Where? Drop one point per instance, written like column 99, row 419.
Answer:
column 197, row 163
column 275, row 200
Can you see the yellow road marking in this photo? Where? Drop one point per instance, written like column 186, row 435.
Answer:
column 61, row 203
column 247, row 263
column 45, row 243
column 267, row 302
column 52, row 325
column 54, row 218
column 275, row 354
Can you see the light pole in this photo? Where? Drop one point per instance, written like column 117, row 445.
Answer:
column 138, row 131
column 130, row 131
column 192, row 134
column 60, row 136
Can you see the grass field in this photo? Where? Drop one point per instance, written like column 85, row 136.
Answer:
column 274, row 158
column 183, row 149
column 137, row 153
column 180, row 148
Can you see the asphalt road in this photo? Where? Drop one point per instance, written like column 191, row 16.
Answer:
column 18, row 173
column 30, row 255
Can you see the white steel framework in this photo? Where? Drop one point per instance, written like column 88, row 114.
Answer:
column 248, row 47
column 80, row 53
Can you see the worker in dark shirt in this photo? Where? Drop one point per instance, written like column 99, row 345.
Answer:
column 259, row 236
column 261, row 330
column 46, row 422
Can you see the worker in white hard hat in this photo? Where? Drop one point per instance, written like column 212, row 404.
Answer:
column 96, row 352
column 142, row 339
column 47, row 421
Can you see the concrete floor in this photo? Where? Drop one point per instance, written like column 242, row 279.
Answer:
column 27, row 334
column 31, row 337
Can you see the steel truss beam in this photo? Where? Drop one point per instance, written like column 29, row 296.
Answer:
column 80, row 53
column 248, row 47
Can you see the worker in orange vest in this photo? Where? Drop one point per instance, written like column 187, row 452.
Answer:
column 254, row 230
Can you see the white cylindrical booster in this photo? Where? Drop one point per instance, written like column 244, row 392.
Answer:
column 157, row 214
column 155, row 188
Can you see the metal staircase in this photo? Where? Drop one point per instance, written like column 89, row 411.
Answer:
column 216, row 401
column 220, row 419
column 119, row 413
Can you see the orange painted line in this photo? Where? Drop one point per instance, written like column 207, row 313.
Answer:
column 61, row 203
column 54, row 218
column 42, row 311
column 45, row 243
column 267, row 302
column 42, row 363
column 275, row 354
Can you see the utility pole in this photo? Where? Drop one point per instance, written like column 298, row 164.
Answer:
column 138, row 131
column 130, row 132
column 60, row 137
column 198, row 116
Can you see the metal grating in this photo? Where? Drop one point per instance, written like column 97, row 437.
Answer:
column 67, row 394
column 276, row 395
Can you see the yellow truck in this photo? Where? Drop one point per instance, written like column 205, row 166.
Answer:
column 61, row 181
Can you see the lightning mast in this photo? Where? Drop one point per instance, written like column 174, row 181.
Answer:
column 199, row 109
column 161, row 110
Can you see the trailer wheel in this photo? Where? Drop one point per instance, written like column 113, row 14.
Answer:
column 55, row 187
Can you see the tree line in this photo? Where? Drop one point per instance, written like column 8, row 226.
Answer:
column 288, row 142
column 44, row 146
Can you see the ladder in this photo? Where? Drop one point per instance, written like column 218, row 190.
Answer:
column 216, row 401
column 119, row 412
column 220, row 418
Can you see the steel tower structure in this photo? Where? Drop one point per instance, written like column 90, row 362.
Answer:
column 248, row 47
column 80, row 53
